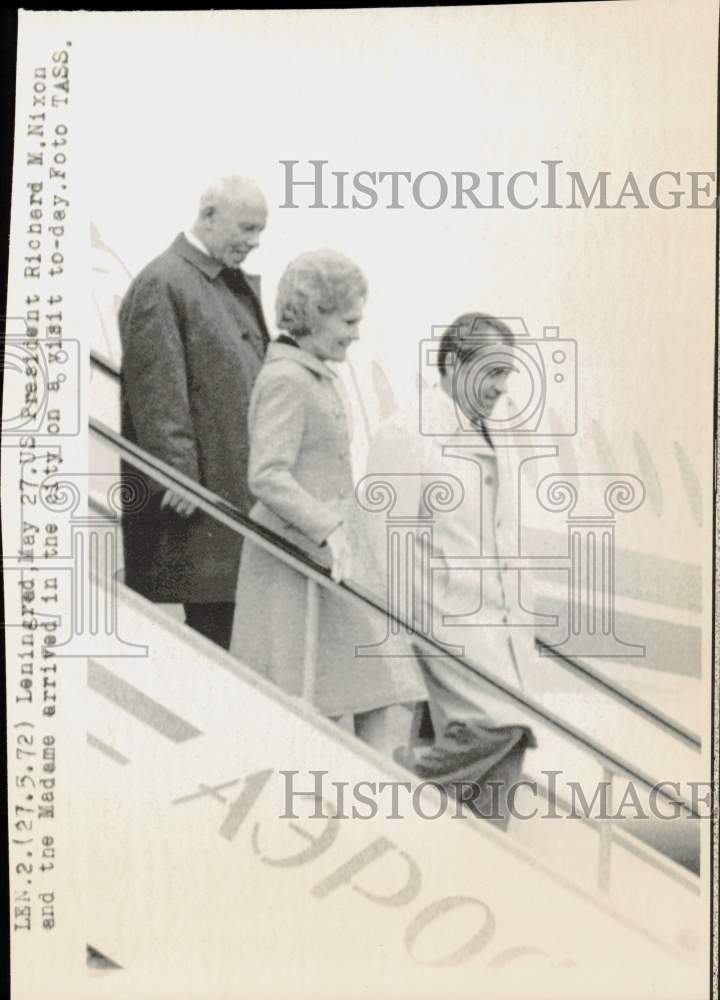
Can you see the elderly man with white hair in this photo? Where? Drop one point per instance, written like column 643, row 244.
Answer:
column 194, row 339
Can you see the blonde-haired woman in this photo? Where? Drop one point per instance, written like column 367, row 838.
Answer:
column 300, row 474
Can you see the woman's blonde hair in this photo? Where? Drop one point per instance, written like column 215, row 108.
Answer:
column 318, row 281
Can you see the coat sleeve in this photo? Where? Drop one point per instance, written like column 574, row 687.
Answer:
column 276, row 431
column 154, row 374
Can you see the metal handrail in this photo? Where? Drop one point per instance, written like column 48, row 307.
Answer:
column 583, row 670
column 225, row 513
column 622, row 695
column 107, row 366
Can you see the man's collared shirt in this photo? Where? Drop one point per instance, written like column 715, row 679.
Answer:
column 194, row 241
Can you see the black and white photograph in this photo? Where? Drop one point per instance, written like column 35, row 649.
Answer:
column 358, row 503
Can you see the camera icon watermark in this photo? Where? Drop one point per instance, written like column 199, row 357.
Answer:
column 481, row 359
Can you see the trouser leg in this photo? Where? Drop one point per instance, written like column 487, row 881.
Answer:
column 463, row 698
column 213, row 620
column 387, row 728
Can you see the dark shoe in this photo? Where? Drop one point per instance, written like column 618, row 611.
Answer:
column 468, row 751
column 443, row 763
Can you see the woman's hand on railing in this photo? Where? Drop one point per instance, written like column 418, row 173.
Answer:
column 177, row 503
column 339, row 545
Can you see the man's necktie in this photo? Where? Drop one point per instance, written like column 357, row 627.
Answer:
column 479, row 424
column 239, row 286
column 235, row 280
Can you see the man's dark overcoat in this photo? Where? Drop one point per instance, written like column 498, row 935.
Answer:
column 193, row 342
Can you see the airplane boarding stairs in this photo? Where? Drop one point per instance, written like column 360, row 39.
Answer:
column 191, row 861
column 191, row 758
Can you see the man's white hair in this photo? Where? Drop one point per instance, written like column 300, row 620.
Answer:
column 232, row 190
column 316, row 281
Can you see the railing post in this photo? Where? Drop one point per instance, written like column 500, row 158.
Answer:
column 311, row 642
column 605, row 838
